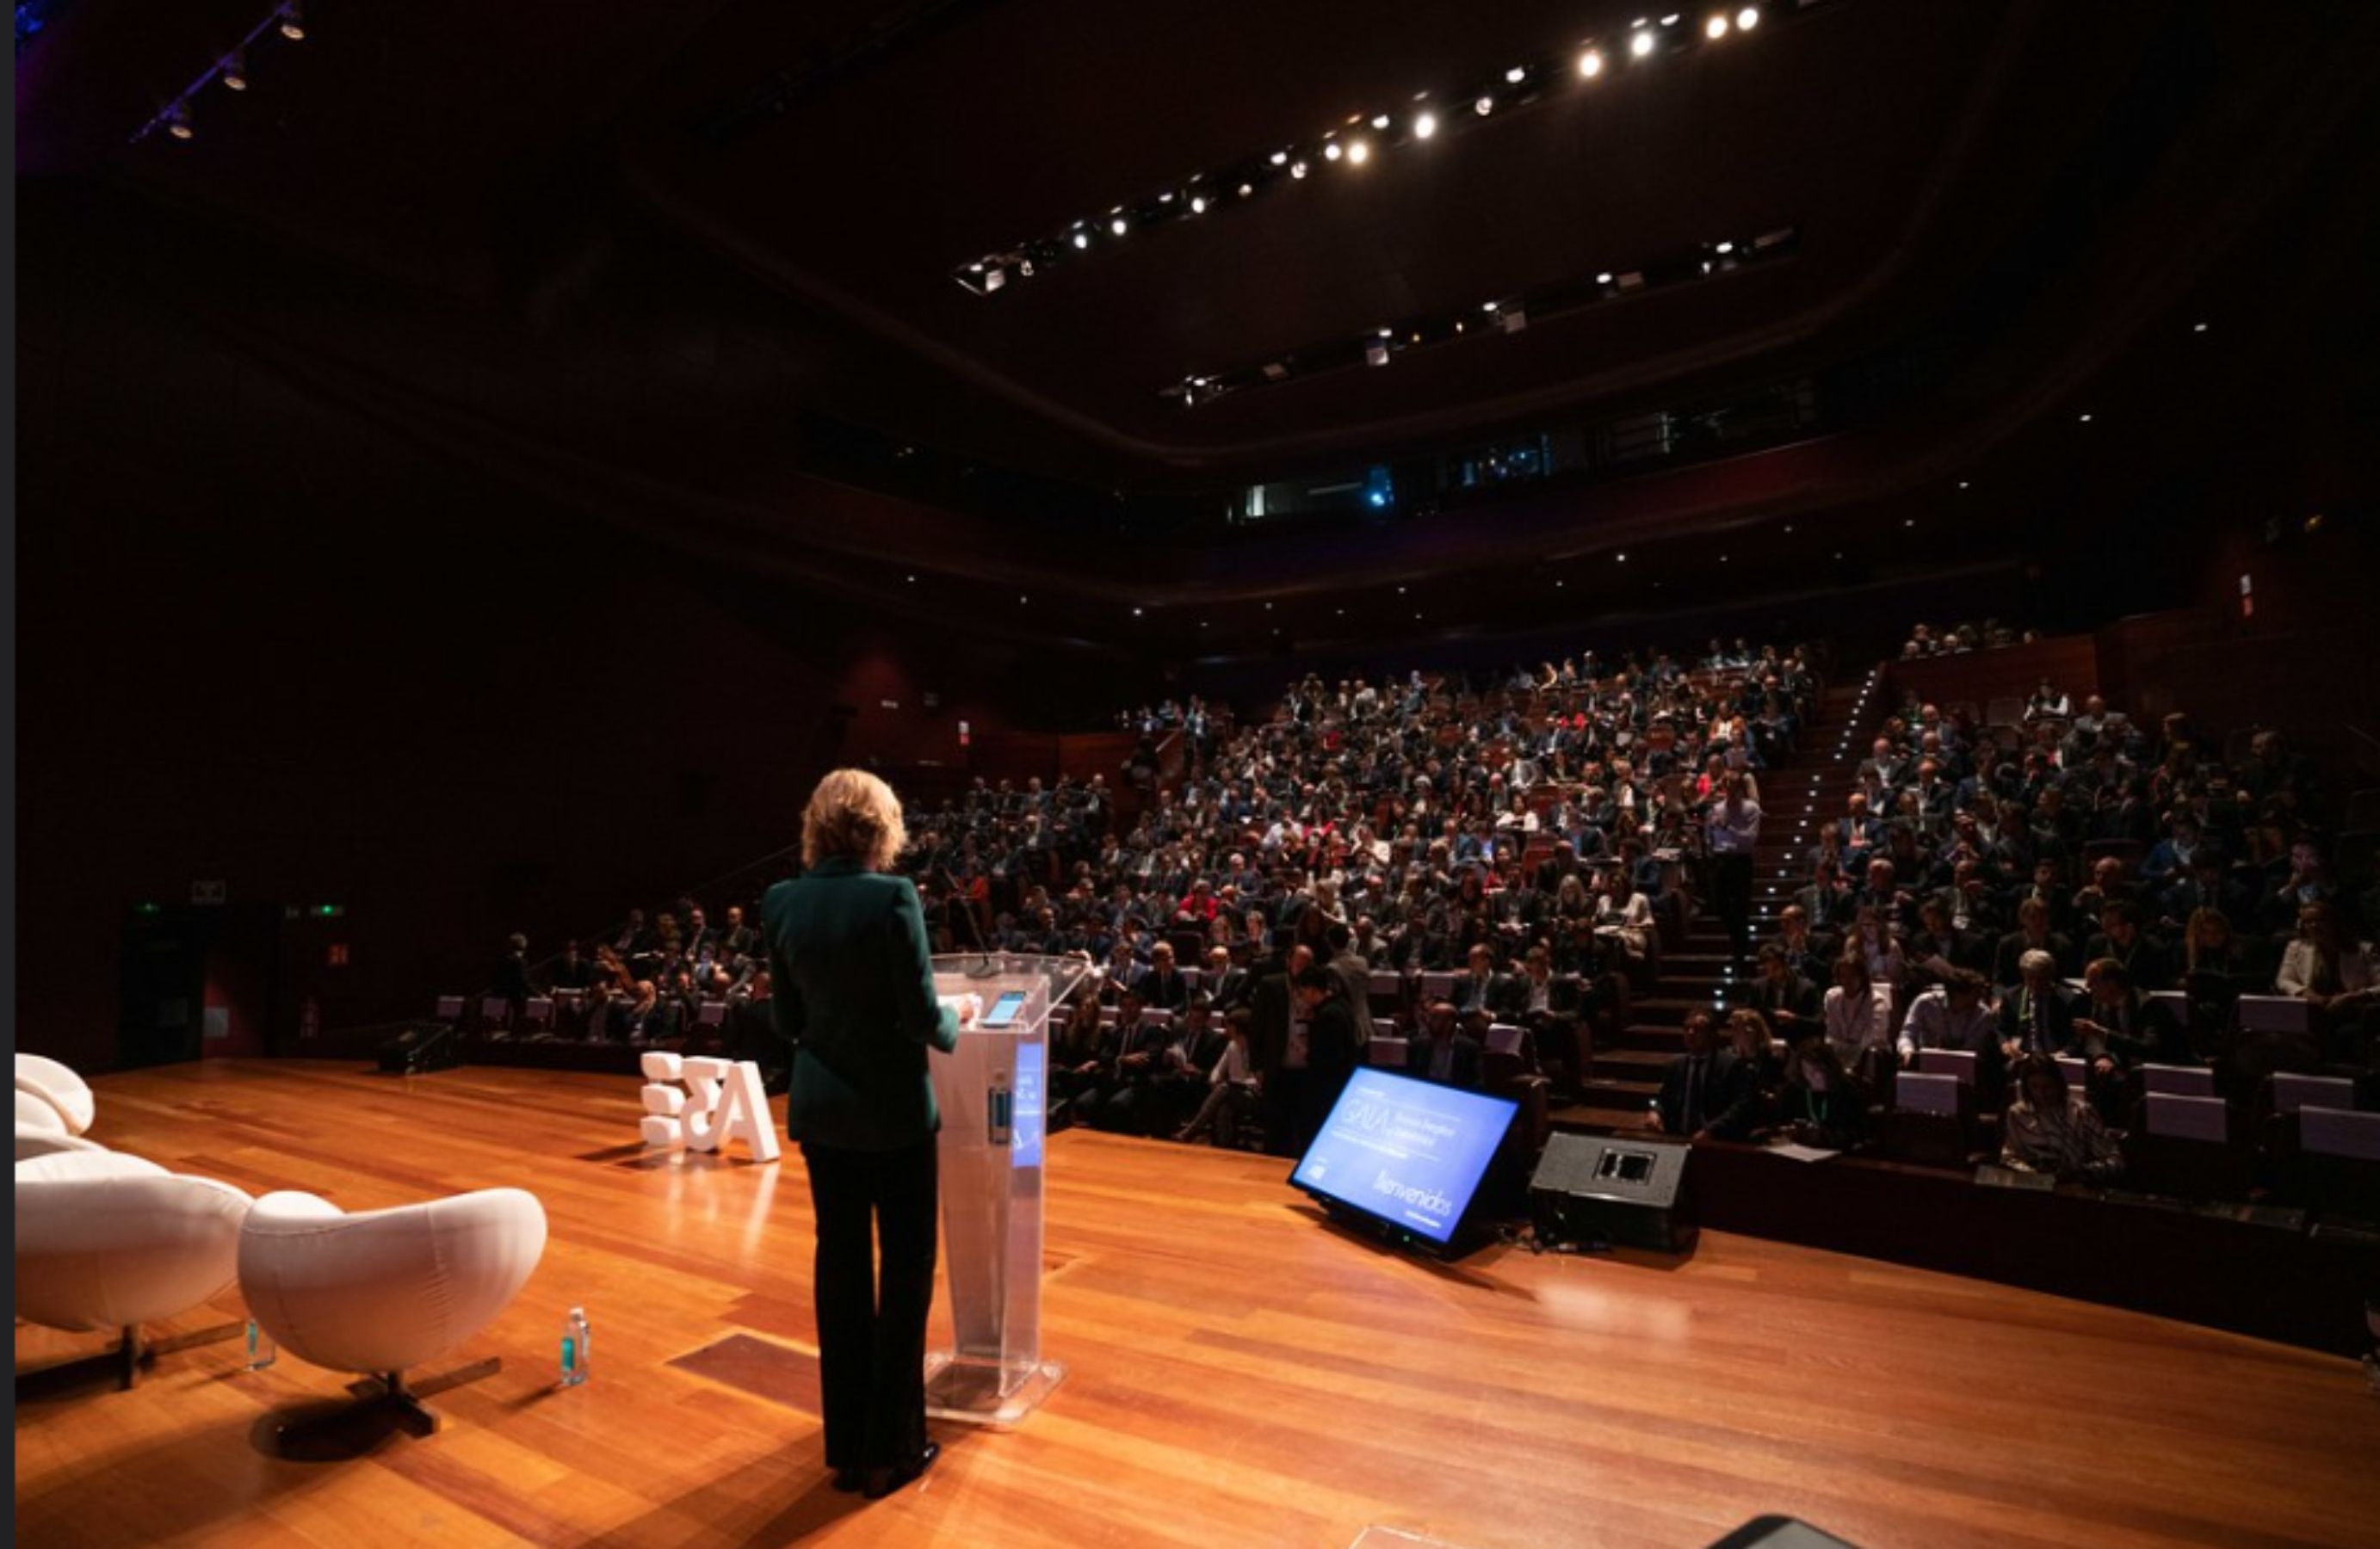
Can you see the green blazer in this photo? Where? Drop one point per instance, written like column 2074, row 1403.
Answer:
column 851, row 988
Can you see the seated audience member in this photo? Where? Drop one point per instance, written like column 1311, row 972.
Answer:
column 1761, row 1055
column 573, row 971
column 1077, row 1050
column 1445, row 1053
column 1954, row 1015
column 2035, row 1017
column 1189, row 1059
column 1136, row 1061
column 2338, row 980
column 1553, row 1010
column 1939, row 947
column 1230, row 1106
column 1822, row 1104
column 1781, row 994
column 1163, row 987
column 1856, row 1018
column 1623, row 917
column 2033, row 934
column 2048, row 1130
column 2121, row 1029
column 2121, row 938
column 642, row 1020
column 1704, row 1095
column 1482, row 989
column 1809, row 953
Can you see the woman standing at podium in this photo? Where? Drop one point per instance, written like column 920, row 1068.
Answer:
column 854, row 992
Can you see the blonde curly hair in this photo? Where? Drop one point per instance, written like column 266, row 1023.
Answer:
column 853, row 813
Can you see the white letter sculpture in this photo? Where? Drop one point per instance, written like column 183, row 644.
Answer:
column 722, row 1101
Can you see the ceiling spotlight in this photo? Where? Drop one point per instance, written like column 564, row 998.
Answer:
column 1298, row 169
column 1715, row 28
column 1082, row 240
column 1358, row 153
column 1331, row 152
column 2198, row 328
column 1021, row 600
column 1590, row 64
column 1966, row 484
column 234, row 71
column 1641, row 44
column 1198, row 204
column 178, row 122
column 1119, row 225
column 1747, row 19
column 293, row 22
column 1279, row 157
column 1427, row 125
column 1604, row 278
column 1621, row 557
column 913, row 580
column 1379, row 120
column 1514, row 76
column 1725, row 248
column 2084, row 417
column 1136, row 612
column 1484, row 106
column 1909, row 521
column 1247, row 188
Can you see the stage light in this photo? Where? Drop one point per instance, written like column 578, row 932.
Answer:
column 1376, row 354
column 994, row 280
column 1590, row 64
column 1641, row 44
column 2084, row 419
column 1298, row 169
column 1379, row 120
column 1198, row 204
column 1427, row 125
column 1621, row 557
column 1604, row 278
column 293, row 22
column 1965, row 484
column 1082, row 240
column 1332, row 151
column 1514, row 76
column 1715, row 29
column 235, row 70
column 1118, row 225
column 1136, row 612
column 1747, row 19
column 1247, row 188
column 178, row 122
column 1725, row 248
column 1484, row 106
column 1279, row 157
column 1358, row 153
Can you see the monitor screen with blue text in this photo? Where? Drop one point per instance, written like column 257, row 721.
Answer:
column 1406, row 1152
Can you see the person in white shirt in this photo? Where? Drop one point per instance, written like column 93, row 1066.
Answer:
column 1858, row 1014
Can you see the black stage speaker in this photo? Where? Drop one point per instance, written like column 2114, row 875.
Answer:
column 1622, row 1189
column 427, row 1046
column 1782, row 1532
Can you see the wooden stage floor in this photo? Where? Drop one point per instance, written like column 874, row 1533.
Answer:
column 1241, row 1374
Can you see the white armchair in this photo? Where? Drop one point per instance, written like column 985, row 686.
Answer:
column 67, row 1093
column 108, row 1241
column 381, row 1291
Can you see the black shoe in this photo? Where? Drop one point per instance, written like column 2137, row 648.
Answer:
column 881, row 1483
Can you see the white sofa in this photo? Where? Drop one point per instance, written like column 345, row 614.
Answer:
column 66, row 1094
column 109, row 1241
column 382, row 1291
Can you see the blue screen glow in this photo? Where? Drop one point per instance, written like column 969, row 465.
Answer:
column 1407, row 1152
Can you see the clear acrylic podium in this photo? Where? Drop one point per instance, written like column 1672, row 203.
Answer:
column 991, row 1189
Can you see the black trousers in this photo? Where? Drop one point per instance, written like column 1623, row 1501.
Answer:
column 1731, row 896
column 871, row 1331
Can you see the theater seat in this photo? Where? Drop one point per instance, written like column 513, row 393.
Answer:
column 110, row 1240
column 382, row 1291
column 65, row 1091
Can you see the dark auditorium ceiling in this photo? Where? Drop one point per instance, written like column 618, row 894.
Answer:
column 630, row 246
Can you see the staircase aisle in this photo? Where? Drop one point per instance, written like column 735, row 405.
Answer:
column 1806, row 790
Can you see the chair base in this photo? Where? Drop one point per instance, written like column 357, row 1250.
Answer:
column 123, row 1362
column 383, row 1403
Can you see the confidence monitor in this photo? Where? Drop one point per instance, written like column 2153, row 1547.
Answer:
column 1401, row 1158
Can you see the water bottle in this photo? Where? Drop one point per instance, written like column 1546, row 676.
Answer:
column 261, row 1350
column 575, row 1341
column 999, row 1108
